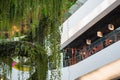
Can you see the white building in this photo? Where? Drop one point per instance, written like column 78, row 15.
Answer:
column 91, row 41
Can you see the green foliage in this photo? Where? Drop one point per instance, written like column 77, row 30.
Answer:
column 42, row 19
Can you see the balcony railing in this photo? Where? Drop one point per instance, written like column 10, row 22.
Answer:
column 74, row 55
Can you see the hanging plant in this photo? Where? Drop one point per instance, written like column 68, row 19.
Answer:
column 38, row 21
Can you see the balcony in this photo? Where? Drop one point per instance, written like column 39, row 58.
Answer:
column 84, row 18
column 82, row 64
column 81, row 58
column 75, row 55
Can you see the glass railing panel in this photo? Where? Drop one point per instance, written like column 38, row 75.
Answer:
column 73, row 55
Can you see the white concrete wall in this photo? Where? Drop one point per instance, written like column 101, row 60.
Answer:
column 86, row 16
column 101, row 58
column 19, row 75
column 16, row 74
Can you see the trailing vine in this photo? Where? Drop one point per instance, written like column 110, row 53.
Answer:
column 39, row 21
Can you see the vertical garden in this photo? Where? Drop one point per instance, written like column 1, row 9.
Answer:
column 30, row 36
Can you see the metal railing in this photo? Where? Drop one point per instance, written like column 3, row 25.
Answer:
column 74, row 55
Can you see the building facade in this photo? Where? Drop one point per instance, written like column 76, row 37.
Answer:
column 90, row 42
